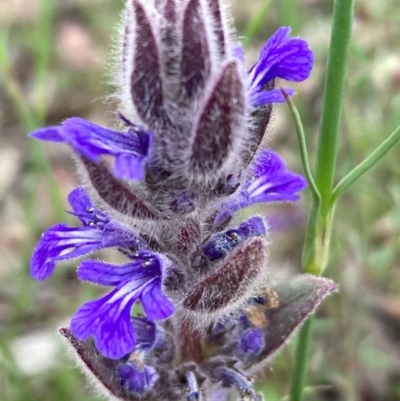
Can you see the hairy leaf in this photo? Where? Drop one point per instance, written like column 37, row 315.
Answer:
column 235, row 277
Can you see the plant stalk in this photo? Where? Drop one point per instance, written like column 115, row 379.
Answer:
column 316, row 246
column 302, row 353
column 343, row 14
column 366, row 164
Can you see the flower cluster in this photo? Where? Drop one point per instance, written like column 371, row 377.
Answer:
column 163, row 191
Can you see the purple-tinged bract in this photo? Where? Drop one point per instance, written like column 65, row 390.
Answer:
column 162, row 190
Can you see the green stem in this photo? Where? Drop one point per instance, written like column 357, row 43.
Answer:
column 302, row 351
column 332, row 103
column 366, row 164
column 303, row 146
column 316, row 246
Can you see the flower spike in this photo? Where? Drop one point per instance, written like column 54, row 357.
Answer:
column 188, row 158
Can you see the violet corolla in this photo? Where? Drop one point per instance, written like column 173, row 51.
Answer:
column 163, row 191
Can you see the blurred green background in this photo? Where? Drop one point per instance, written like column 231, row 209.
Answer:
column 54, row 63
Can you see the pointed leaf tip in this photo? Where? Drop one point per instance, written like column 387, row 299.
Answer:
column 100, row 370
column 195, row 61
column 222, row 116
column 145, row 81
column 296, row 300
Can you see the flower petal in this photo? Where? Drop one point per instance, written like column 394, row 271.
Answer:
column 52, row 134
column 93, row 141
column 115, row 336
column 145, row 332
column 111, row 275
column 282, row 57
column 272, row 96
column 297, row 64
column 55, row 245
column 86, row 319
column 41, row 270
column 272, row 182
column 84, row 209
column 229, row 209
column 79, row 200
column 108, row 320
column 155, row 304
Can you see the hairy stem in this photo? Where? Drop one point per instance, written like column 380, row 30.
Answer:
column 191, row 347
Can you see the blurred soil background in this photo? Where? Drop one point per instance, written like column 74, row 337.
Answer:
column 54, row 64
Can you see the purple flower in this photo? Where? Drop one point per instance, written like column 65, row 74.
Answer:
column 136, row 380
column 61, row 242
column 92, row 141
column 108, row 318
column 251, row 342
column 220, row 244
column 145, row 332
column 281, row 57
column 271, row 182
